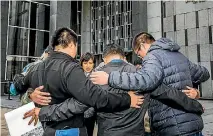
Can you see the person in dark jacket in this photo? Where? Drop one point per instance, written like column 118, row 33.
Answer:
column 87, row 61
column 127, row 122
column 64, row 78
column 162, row 63
column 29, row 95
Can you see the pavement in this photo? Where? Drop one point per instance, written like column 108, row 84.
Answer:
column 8, row 105
column 207, row 117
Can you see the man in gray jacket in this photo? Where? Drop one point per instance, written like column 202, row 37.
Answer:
column 162, row 63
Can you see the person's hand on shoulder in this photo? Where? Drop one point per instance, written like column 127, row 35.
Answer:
column 99, row 77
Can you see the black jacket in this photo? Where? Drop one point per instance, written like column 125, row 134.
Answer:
column 124, row 123
column 63, row 78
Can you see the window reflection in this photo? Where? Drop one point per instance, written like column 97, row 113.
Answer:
column 40, row 16
column 17, row 41
column 38, row 42
column 28, row 34
column 19, row 13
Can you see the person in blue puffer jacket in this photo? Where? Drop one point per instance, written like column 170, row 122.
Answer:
column 162, row 63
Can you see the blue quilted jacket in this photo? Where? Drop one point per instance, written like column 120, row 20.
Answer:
column 165, row 64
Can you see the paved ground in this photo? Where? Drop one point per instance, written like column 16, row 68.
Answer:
column 208, row 117
column 4, row 129
column 7, row 105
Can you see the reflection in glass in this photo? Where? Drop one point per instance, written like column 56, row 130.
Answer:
column 113, row 33
column 17, row 41
column 93, row 37
column 105, row 11
column 115, row 23
column 109, row 34
column 79, row 45
column 38, row 42
column 96, row 48
column 40, row 16
column 129, row 30
column 102, row 47
column 122, row 44
column 44, row 2
column 101, row 36
column 14, row 67
column 96, row 13
column 96, row 36
column 129, row 6
column 102, row 23
column 129, row 44
column 113, row 9
column 19, row 13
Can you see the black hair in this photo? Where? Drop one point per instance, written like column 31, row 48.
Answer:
column 138, row 61
column 141, row 37
column 63, row 36
column 86, row 57
column 113, row 49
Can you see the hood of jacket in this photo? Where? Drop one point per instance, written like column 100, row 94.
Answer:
column 165, row 44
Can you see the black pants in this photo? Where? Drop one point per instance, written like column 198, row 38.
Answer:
column 90, row 123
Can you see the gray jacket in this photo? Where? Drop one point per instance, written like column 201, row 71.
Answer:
column 164, row 64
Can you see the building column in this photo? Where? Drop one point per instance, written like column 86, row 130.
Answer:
column 154, row 18
column 60, row 14
column 86, row 27
column 40, row 22
column 139, row 17
column 4, row 25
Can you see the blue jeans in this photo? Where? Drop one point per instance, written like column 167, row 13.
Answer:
column 68, row 132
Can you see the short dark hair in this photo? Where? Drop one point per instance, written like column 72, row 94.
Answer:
column 63, row 36
column 86, row 57
column 142, row 37
column 138, row 61
column 113, row 49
